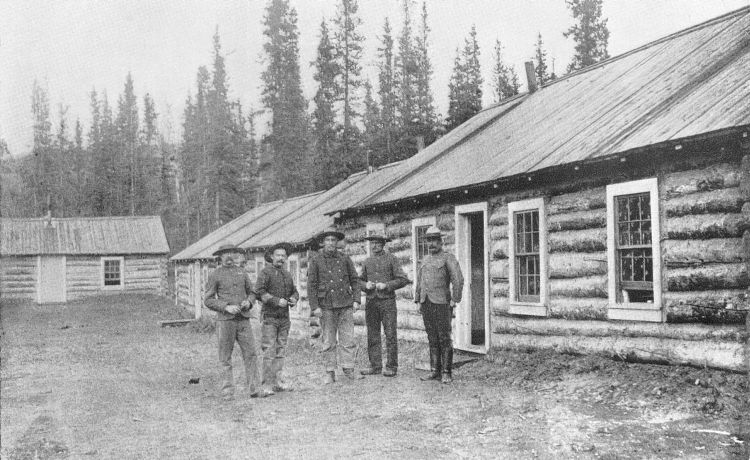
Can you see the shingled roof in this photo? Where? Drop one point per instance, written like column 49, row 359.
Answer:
column 83, row 236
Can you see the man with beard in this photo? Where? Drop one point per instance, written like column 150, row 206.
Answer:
column 439, row 287
column 230, row 294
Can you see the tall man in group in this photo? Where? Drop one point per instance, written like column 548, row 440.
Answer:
column 381, row 276
column 439, row 287
column 276, row 289
column 230, row 294
column 333, row 292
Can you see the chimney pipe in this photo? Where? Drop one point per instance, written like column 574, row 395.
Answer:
column 530, row 76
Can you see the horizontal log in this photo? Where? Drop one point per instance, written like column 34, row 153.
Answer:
column 726, row 306
column 588, row 286
column 576, row 264
column 31, row 271
column 499, row 306
column 499, row 232
column 498, row 216
column 17, row 295
column 499, row 269
column 499, row 288
column 17, row 290
column 583, row 308
column 708, row 277
column 399, row 230
column 714, row 177
column 399, row 244
column 679, row 253
column 705, row 226
column 499, row 248
column 18, row 285
column 561, row 327
column 591, row 198
column 577, row 220
column 18, row 279
column 728, row 200
column 446, row 222
column 590, row 240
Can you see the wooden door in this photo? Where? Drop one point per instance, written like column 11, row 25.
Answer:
column 51, row 281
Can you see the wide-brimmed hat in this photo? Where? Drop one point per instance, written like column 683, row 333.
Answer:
column 334, row 233
column 287, row 247
column 378, row 237
column 226, row 247
column 433, row 232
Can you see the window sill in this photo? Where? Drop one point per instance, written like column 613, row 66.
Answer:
column 113, row 288
column 635, row 312
column 527, row 309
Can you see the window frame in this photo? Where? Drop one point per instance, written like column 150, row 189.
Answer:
column 517, row 306
column 260, row 264
column 121, row 261
column 622, row 309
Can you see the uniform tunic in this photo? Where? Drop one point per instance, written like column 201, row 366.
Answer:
column 332, row 281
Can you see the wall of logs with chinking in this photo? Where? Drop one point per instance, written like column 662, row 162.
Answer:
column 18, row 277
column 705, row 210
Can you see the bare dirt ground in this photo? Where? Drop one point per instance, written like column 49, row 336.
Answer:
column 101, row 379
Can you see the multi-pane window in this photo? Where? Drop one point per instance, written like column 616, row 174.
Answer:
column 634, row 247
column 112, row 272
column 527, row 256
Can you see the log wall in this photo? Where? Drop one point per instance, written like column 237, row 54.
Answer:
column 141, row 274
column 18, row 277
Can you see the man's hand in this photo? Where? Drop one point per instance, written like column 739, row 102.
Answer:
column 356, row 306
column 283, row 303
column 453, row 309
column 369, row 285
column 380, row 286
column 292, row 301
column 232, row 309
column 245, row 305
column 316, row 312
column 453, row 304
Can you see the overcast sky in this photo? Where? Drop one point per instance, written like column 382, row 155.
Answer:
column 73, row 46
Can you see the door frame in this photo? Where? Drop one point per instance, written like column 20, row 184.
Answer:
column 462, row 323
column 39, row 280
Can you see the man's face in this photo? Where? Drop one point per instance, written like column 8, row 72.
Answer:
column 279, row 257
column 376, row 246
column 434, row 245
column 329, row 243
column 228, row 258
column 341, row 247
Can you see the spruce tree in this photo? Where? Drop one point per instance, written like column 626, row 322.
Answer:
column 540, row 62
column 327, row 165
column 504, row 78
column 465, row 86
column 373, row 138
column 425, row 103
column 42, row 180
column 406, row 90
column 387, row 92
column 282, row 95
column 590, row 33
column 127, row 158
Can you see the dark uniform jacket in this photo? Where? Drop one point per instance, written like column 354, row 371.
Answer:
column 383, row 268
column 332, row 281
column 434, row 276
column 273, row 285
column 229, row 286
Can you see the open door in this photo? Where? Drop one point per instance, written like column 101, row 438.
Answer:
column 471, row 328
column 51, row 281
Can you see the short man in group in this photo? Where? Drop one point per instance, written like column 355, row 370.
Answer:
column 334, row 293
column 438, row 290
column 276, row 290
column 230, row 294
column 381, row 276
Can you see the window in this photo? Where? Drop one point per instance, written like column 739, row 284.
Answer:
column 633, row 252
column 260, row 263
column 419, row 245
column 293, row 266
column 112, row 276
column 527, row 244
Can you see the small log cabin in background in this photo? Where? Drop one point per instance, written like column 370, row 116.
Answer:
column 603, row 212
column 56, row 260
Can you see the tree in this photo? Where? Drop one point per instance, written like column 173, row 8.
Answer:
column 425, row 104
column 282, row 95
column 465, row 86
column 326, row 163
column 406, row 90
column 388, row 97
column 348, row 45
column 590, row 33
column 127, row 159
column 43, row 176
column 373, row 132
column 504, row 78
column 540, row 65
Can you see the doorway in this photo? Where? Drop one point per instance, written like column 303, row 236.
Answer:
column 472, row 325
column 51, row 282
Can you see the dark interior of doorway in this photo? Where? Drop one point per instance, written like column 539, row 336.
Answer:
column 477, row 273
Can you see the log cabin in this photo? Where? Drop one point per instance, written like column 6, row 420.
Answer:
column 51, row 260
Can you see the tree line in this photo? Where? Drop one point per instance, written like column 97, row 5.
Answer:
column 221, row 167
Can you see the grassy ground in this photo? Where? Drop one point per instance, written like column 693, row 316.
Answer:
column 101, row 379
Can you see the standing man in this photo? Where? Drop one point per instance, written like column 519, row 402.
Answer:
column 440, row 284
column 333, row 293
column 277, row 292
column 230, row 294
column 381, row 276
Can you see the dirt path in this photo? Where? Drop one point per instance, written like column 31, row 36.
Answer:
column 101, row 379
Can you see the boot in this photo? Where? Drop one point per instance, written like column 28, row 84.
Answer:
column 329, row 378
column 351, row 374
column 434, row 366
column 370, row 371
column 447, row 365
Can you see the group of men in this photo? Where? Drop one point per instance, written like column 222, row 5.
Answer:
column 334, row 290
